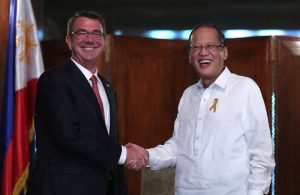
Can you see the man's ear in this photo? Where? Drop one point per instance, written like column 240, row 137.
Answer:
column 225, row 53
column 69, row 42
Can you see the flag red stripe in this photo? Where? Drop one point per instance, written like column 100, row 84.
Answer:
column 7, row 172
column 18, row 154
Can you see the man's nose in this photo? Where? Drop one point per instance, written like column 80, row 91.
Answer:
column 203, row 51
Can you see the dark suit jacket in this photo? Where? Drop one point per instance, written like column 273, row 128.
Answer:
column 75, row 154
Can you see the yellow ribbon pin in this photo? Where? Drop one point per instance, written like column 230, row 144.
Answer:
column 214, row 106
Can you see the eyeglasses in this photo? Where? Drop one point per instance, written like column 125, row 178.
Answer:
column 82, row 34
column 209, row 47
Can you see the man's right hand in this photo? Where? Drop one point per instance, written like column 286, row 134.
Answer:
column 137, row 157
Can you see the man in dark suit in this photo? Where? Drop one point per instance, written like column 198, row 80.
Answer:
column 76, row 121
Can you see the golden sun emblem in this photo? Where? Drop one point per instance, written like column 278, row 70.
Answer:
column 24, row 41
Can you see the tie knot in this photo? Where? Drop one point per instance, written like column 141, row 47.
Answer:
column 94, row 79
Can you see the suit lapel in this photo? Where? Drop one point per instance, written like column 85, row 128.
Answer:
column 80, row 81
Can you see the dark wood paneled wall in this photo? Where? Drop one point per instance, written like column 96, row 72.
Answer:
column 149, row 76
column 4, row 10
column 54, row 52
column 287, row 83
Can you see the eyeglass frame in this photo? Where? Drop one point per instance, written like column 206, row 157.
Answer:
column 82, row 34
column 208, row 47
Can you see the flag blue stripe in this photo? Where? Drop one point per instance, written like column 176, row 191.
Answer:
column 6, row 130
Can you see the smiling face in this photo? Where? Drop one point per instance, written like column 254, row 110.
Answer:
column 207, row 54
column 86, row 50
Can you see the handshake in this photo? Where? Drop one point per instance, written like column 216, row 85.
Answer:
column 137, row 157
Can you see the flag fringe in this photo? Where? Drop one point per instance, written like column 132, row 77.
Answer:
column 20, row 185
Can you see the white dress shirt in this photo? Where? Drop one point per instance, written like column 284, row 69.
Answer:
column 221, row 144
column 105, row 102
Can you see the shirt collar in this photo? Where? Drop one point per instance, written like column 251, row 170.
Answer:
column 85, row 71
column 221, row 81
column 223, row 78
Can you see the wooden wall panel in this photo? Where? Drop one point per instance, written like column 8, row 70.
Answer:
column 287, row 116
column 54, row 52
column 149, row 76
column 4, row 10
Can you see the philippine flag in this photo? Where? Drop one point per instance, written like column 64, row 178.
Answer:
column 23, row 68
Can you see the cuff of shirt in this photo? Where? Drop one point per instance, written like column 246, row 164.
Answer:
column 255, row 192
column 123, row 156
column 148, row 165
column 152, row 163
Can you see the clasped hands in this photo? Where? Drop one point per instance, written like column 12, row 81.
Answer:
column 137, row 157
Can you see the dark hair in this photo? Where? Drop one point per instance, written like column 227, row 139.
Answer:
column 221, row 36
column 87, row 14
